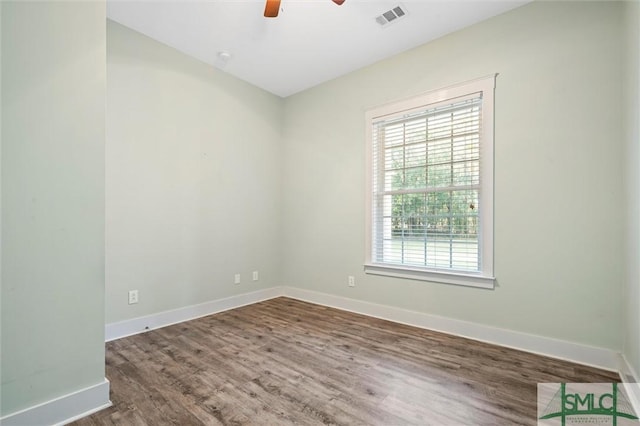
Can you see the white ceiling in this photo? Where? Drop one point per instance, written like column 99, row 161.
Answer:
column 312, row 41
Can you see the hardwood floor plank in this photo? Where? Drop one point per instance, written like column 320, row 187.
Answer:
column 286, row 362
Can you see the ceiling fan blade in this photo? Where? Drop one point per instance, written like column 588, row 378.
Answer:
column 271, row 8
column 338, row 2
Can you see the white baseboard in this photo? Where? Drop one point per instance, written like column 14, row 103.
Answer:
column 631, row 382
column 575, row 352
column 570, row 351
column 133, row 326
column 64, row 409
column 94, row 398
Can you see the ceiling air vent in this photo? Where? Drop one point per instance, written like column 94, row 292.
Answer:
column 391, row 15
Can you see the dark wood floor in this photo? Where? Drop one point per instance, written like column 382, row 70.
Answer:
column 288, row 362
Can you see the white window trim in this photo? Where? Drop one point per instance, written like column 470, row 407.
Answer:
column 485, row 278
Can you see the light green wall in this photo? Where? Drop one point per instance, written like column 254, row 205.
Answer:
column 193, row 179
column 558, row 156
column 0, row 209
column 53, row 133
column 632, row 155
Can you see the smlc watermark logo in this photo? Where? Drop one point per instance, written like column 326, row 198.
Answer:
column 584, row 404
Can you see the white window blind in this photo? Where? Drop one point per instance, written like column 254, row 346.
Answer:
column 428, row 188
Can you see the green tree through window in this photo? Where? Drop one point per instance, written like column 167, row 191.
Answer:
column 434, row 154
column 427, row 196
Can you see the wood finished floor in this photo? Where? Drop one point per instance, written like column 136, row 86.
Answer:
column 285, row 362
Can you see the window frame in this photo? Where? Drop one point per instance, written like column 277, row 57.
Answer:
column 484, row 278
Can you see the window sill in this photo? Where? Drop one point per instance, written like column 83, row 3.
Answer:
column 455, row 278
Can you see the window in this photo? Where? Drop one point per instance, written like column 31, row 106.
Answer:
column 430, row 186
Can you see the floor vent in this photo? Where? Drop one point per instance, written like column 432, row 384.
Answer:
column 391, row 15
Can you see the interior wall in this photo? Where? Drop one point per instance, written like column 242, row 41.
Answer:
column 53, row 133
column 193, row 183
column 0, row 205
column 632, row 166
column 558, row 151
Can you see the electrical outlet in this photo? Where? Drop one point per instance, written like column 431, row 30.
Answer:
column 236, row 279
column 133, row 297
column 255, row 275
column 352, row 281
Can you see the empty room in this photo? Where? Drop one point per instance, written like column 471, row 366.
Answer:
column 320, row 212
